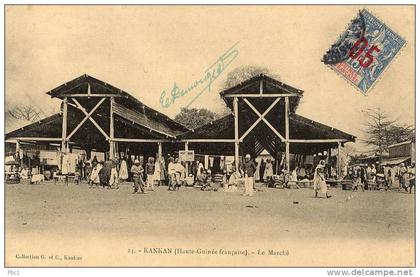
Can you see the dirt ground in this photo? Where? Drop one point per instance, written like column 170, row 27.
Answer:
column 72, row 225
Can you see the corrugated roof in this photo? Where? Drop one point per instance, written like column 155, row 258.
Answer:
column 80, row 85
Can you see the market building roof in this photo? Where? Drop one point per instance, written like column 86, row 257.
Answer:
column 264, row 86
column 132, row 118
column 261, row 113
column 300, row 128
column 262, row 103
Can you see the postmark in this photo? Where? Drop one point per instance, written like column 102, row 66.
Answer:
column 364, row 50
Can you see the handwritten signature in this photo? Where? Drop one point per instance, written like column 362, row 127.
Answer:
column 210, row 75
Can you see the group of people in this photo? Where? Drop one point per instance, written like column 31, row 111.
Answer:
column 144, row 177
column 103, row 174
column 106, row 174
column 264, row 171
column 154, row 172
column 385, row 176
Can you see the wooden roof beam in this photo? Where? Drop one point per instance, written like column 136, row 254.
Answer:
column 34, row 139
column 317, row 140
column 258, row 95
column 208, row 140
column 130, row 140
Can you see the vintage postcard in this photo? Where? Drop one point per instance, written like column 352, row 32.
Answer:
column 209, row 136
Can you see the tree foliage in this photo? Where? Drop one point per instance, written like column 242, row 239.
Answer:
column 194, row 118
column 243, row 73
column 381, row 131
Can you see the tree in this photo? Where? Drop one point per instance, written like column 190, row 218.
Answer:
column 399, row 133
column 194, row 118
column 244, row 73
column 382, row 132
column 25, row 112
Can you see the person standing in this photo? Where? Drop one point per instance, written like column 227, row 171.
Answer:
column 268, row 172
column 94, row 176
column 137, row 172
column 150, row 171
column 386, row 176
column 357, row 180
column 262, row 170
column 79, row 168
column 320, row 184
column 182, row 173
column 412, row 175
column 179, row 173
column 113, row 180
column 390, row 180
column 195, row 170
column 294, row 176
column 157, row 172
column 123, row 170
column 364, row 177
column 171, row 174
column 199, row 179
column 373, row 173
column 108, row 168
column 368, row 171
column 257, row 171
column 88, row 171
column 249, row 169
column 95, row 160
column 103, row 175
column 402, row 170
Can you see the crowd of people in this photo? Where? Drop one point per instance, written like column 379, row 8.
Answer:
column 156, row 172
column 172, row 172
column 373, row 176
column 144, row 176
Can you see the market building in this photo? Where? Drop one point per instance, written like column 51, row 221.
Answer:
column 98, row 117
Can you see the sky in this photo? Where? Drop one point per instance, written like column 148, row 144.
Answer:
column 144, row 50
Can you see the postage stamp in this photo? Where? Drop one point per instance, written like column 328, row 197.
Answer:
column 364, row 50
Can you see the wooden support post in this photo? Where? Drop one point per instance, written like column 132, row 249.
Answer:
column 338, row 161
column 64, row 127
column 159, row 150
column 186, row 163
column 286, row 116
column 329, row 162
column 111, row 129
column 18, row 153
column 236, row 113
column 17, row 146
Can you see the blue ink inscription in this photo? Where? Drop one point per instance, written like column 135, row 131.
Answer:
column 205, row 83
